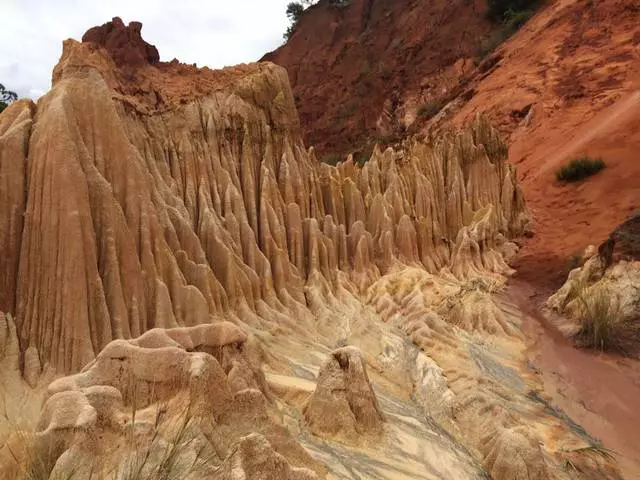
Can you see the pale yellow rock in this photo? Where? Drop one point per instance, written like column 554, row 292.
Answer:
column 344, row 404
column 146, row 219
column 167, row 236
column 256, row 459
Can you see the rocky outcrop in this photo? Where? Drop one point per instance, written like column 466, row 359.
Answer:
column 624, row 241
column 255, row 459
column 344, row 404
column 123, row 43
column 172, row 404
column 601, row 297
column 611, row 271
column 190, row 195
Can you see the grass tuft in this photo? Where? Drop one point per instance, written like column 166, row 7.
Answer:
column 171, row 453
column 511, row 23
column 579, row 168
column 600, row 319
column 38, row 457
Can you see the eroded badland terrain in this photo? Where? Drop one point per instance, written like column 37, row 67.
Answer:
column 187, row 291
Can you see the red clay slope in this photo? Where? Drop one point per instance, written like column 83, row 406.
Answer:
column 578, row 64
column 351, row 67
column 574, row 68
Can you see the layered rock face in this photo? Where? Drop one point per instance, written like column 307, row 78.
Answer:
column 380, row 62
column 214, row 294
column 148, row 209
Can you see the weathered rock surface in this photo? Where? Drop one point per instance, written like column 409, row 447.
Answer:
column 168, row 394
column 172, row 205
column 344, row 404
column 609, row 282
column 256, row 459
column 123, row 42
column 626, row 239
column 173, row 248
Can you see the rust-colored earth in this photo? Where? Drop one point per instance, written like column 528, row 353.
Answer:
column 597, row 391
column 576, row 66
column 352, row 68
column 569, row 217
column 566, row 84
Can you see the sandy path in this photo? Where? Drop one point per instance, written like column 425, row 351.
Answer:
column 599, row 392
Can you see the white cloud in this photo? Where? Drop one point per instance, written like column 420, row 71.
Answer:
column 215, row 33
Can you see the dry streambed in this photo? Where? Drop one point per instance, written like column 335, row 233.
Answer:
column 596, row 391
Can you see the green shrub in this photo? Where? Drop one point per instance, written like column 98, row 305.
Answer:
column 296, row 9
column 512, row 14
column 6, row 97
column 513, row 21
column 579, row 169
column 498, row 9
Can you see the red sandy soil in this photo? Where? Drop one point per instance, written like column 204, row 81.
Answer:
column 131, row 67
column 577, row 63
column 569, row 217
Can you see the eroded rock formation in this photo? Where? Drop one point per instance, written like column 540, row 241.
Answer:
column 157, row 211
column 177, row 402
column 343, row 403
column 605, row 291
column 173, row 247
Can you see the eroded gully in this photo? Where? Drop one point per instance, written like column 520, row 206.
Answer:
column 600, row 392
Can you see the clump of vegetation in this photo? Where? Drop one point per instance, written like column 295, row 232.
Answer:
column 601, row 321
column 497, row 10
column 6, row 97
column 166, row 456
column 579, row 169
column 512, row 15
column 38, row 456
column 295, row 10
column 430, row 109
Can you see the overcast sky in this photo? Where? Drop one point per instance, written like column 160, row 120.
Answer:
column 215, row 33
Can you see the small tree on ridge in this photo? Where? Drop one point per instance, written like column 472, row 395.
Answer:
column 6, row 97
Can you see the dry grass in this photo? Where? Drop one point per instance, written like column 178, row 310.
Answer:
column 38, row 457
column 167, row 447
column 172, row 452
column 591, row 463
column 600, row 321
